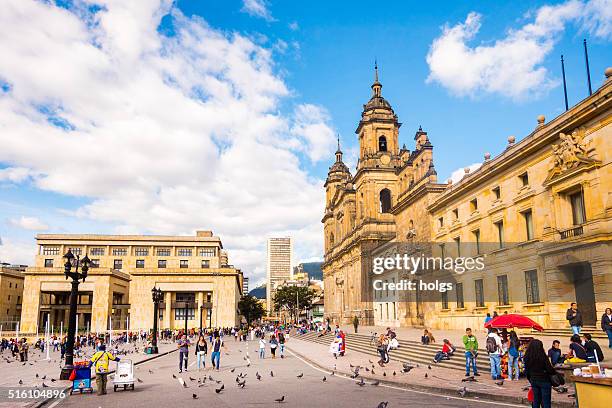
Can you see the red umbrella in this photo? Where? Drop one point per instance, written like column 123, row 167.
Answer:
column 508, row 321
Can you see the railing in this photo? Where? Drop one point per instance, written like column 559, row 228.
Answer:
column 571, row 232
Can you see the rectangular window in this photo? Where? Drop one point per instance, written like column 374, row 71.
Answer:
column 141, row 252
column 479, row 289
column 474, row 205
column 502, row 290
column 161, row 263
column 476, row 234
column 500, row 233
column 96, row 251
column 179, row 314
column 442, row 251
column 527, row 215
column 456, row 214
column 441, row 222
column 458, row 245
column 184, row 252
column 496, row 192
column 95, row 263
column 459, row 291
column 578, row 214
column 444, row 300
column 531, row 285
column 184, row 263
column 205, row 263
column 48, row 263
column 140, row 263
column 163, row 251
column 208, row 252
column 524, row 178
column 76, row 250
column 48, row 250
column 118, row 264
column 119, row 251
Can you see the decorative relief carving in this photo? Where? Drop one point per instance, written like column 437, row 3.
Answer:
column 570, row 153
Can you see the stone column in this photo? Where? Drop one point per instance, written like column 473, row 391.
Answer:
column 167, row 317
column 101, row 304
column 31, row 298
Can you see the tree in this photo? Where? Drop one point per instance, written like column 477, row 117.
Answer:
column 251, row 308
column 289, row 296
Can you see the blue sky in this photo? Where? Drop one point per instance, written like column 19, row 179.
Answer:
column 162, row 117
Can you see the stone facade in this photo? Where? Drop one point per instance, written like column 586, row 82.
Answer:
column 191, row 271
column 11, row 295
column 541, row 212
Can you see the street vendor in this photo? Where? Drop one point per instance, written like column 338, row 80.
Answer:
column 100, row 360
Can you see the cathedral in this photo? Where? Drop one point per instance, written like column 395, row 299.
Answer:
column 540, row 210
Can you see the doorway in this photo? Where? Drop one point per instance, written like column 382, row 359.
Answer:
column 582, row 276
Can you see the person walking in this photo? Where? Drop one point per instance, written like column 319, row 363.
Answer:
column 538, row 370
column 262, row 347
column 471, row 352
column 494, row 348
column 100, row 361
column 215, row 356
column 606, row 325
column 183, row 346
column 201, row 349
column 574, row 317
column 281, row 343
column 513, row 356
column 273, row 345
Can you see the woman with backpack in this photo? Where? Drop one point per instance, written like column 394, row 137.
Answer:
column 513, row 356
column 273, row 345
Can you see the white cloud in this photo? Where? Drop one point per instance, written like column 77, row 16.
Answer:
column 511, row 66
column 28, row 223
column 294, row 26
column 16, row 252
column 257, row 8
column 458, row 174
column 162, row 134
column 15, row 174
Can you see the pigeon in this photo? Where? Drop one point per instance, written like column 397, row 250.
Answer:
column 182, row 382
column 139, row 380
column 238, row 379
column 373, row 372
column 218, row 390
column 376, row 382
column 218, row 381
column 462, row 392
column 324, row 378
column 384, row 374
column 258, row 376
column 429, row 366
column 232, row 370
column 371, row 362
column 383, row 404
column 499, row 383
column 150, row 371
column 560, row 389
column 36, row 375
column 394, row 373
column 300, row 375
column 361, row 383
column 45, row 385
column 192, row 379
column 469, row 379
column 53, row 380
column 425, row 375
column 271, row 373
column 367, row 370
column 526, row 388
column 281, row 399
column 242, row 384
column 332, row 373
column 20, row 382
column 173, row 376
column 44, row 377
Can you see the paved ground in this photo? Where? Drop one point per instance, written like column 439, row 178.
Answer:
column 12, row 372
column 159, row 386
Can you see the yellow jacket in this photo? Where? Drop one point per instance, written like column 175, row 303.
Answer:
column 101, row 359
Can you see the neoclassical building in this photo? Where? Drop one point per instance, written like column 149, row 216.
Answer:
column 192, row 271
column 540, row 212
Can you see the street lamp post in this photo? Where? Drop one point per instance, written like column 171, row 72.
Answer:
column 201, row 312
column 73, row 262
column 186, row 304
column 158, row 295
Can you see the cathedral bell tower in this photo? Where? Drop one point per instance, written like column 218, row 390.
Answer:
column 378, row 131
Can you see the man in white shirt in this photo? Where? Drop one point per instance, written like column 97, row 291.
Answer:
column 494, row 349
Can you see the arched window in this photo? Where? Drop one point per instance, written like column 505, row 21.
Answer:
column 382, row 144
column 385, row 200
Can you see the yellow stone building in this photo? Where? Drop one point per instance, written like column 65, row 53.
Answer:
column 540, row 212
column 11, row 295
column 192, row 271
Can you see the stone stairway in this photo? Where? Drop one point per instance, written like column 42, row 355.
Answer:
column 409, row 351
column 565, row 333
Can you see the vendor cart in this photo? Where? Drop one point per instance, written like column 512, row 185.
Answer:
column 81, row 378
column 124, row 375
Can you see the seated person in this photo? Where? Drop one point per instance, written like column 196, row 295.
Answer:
column 577, row 352
column 592, row 349
column 554, row 353
column 427, row 337
column 446, row 353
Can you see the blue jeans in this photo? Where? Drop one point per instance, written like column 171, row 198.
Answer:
column 576, row 329
column 470, row 359
column 609, row 333
column 262, row 353
column 541, row 394
column 215, row 356
column 201, row 359
column 183, row 356
column 513, row 367
column 495, row 360
column 282, row 349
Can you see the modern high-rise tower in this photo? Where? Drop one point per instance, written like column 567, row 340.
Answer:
column 280, row 253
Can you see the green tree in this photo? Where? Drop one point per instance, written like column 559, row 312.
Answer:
column 294, row 298
column 251, row 308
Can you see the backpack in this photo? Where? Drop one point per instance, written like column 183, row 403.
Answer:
column 491, row 345
column 513, row 352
